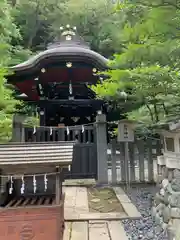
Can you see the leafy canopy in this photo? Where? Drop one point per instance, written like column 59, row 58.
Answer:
column 7, row 102
column 148, row 67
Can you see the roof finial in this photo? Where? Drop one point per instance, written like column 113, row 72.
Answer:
column 68, row 32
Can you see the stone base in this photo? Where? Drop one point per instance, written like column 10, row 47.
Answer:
column 42, row 223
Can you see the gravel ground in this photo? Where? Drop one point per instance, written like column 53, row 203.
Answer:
column 144, row 229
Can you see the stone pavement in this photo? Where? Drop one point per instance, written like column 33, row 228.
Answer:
column 84, row 225
column 91, row 230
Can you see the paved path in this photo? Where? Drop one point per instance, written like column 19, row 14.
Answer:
column 76, row 201
column 92, row 230
column 82, row 225
column 76, row 206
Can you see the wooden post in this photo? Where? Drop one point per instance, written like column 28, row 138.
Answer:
column 101, row 134
column 114, row 162
column 127, row 163
column 61, row 179
column 57, row 186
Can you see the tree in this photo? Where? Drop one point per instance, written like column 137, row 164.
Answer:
column 7, row 102
column 40, row 21
column 148, row 67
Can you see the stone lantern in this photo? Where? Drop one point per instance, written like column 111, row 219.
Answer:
column 171, row 146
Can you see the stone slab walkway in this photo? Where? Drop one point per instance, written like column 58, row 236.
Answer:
column 80, row 224
column 91, row 230
column 76, row 206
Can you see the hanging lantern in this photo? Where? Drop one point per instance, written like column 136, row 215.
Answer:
column 69, row 64
column 43, row 70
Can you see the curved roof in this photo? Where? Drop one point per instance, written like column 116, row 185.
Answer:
column 70, row 47
column 63, row 52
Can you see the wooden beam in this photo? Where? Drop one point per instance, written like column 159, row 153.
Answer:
column 61, row 178
column 57, row 186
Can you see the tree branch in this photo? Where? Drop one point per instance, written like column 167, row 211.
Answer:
column 150, row 112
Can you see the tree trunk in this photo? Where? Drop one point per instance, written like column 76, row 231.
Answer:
column 156, row 113
column 150, row 112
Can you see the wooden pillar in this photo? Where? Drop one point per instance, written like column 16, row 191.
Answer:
column 57, row 185
column 113, row 162
column 61, row 178
column 101, row 135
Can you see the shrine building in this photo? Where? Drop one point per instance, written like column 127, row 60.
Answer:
column 58, row 81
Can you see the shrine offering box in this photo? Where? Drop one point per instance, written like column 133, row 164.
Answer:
column 39, row 222
column 31, row 196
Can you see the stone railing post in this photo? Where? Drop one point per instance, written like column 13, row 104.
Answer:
column 102, row 158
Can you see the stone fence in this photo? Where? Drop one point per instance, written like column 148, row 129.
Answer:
column 166, row 209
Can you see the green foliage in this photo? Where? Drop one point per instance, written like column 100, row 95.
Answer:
column 143, row 36
column 32, row 121
column 8, row 104
column 39, row 22
column 148, row 67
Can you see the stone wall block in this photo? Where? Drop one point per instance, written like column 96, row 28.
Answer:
column 171, row 233
column 158, row 199
column 159, row 179
column 169, row 189
column 175, row 213
column 158, row 219
column 164, row 172
column 165, row 183
column 166, row 214
column 175, row 184
column 170, row 175
column 166, row 198
column 160, row 207
column 164, row 226
column 162, row 192
column 176, row 173
column 174, row 200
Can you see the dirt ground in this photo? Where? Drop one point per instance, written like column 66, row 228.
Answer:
column 103, row 200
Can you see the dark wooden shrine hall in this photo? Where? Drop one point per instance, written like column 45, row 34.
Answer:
column 58, row 81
